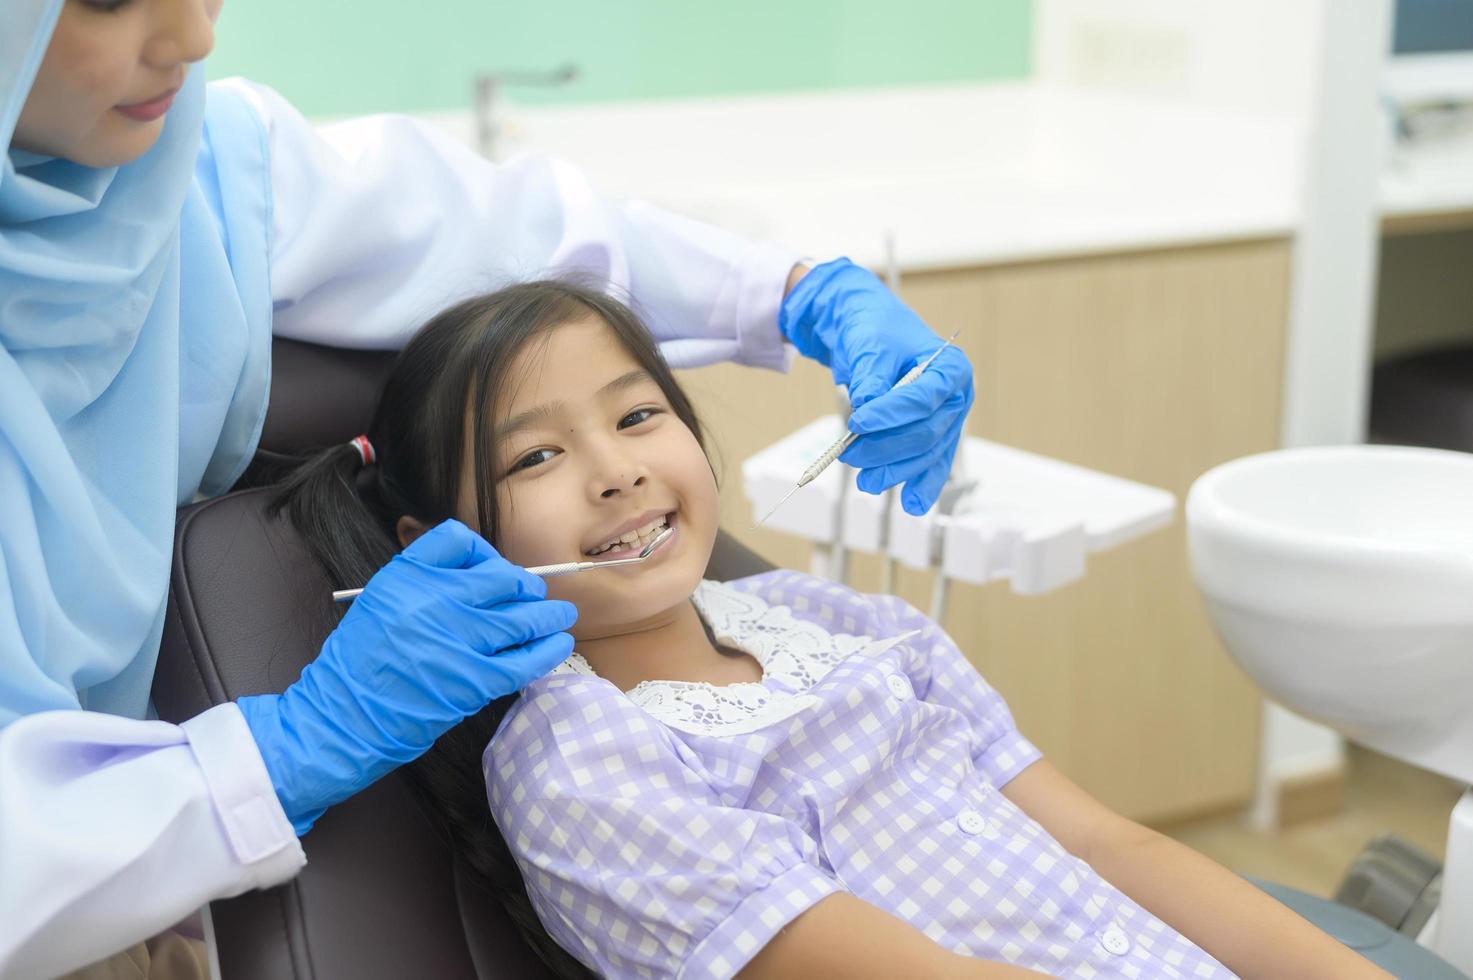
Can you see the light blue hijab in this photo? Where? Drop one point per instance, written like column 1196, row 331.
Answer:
column 135, row 321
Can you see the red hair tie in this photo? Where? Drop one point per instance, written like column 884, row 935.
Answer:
column 365, row 450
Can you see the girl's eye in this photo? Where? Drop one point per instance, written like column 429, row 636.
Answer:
column 535, row 458
column 106, row 6
column 638, row 415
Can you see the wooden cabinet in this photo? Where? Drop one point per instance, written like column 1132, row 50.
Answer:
column 1154, row 366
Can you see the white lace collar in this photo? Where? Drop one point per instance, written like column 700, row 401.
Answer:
column 793, row 653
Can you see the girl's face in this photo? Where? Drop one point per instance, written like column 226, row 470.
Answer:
column 588, row 450
column 108, row 77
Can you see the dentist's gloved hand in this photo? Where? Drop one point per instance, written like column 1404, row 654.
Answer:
column 443, row 629
column 844, row 317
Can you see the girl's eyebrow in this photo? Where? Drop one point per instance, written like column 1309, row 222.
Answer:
column 544, row 414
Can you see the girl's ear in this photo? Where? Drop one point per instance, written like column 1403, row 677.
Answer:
column 408, row 528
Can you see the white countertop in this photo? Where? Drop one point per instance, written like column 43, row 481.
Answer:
column 1433, row 177
column 961, row 175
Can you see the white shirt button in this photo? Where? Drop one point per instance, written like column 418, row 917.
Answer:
column 971, row 822
column 1115, row 941
column 899, row 687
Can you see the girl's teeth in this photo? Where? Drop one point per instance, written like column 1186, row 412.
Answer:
column 641, row 535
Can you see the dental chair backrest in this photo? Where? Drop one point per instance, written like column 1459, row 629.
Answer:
column 382, row 895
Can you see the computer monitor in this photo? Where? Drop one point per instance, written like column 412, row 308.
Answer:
column 1431, row 52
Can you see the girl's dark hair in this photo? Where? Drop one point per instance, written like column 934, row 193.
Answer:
column 457, row 364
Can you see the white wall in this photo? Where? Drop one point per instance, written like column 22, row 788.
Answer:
column 1252, row 55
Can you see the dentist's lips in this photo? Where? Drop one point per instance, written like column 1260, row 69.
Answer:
column 150, row 110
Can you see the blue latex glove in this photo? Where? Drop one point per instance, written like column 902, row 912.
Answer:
column 443, row 629
column 844, row 317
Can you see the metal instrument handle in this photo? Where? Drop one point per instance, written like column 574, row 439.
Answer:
column 553, row 571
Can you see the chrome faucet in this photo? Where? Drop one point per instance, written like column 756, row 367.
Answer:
column 488, row 86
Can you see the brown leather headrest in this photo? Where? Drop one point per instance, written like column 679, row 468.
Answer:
column 320, row 395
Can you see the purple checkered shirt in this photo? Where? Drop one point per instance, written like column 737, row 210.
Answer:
column 673, row 830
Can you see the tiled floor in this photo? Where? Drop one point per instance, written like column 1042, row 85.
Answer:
column 1382, row 795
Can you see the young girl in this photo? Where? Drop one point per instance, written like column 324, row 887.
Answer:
column 778, row 775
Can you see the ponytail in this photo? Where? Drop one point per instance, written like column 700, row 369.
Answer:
column 322, row 501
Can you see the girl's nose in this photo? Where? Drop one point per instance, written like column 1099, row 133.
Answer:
column 184, row 32
column 620, row 483
column 616, row 473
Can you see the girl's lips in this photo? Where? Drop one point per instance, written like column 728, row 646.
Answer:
column 636, row 548
column 149, row 111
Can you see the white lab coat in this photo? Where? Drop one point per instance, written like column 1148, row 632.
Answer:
column 112, row 829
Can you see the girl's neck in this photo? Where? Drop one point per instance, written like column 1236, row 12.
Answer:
column 673, row 646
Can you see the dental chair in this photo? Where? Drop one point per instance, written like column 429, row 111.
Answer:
column 382, row 896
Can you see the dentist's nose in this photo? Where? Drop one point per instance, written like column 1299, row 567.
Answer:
column 184, row 33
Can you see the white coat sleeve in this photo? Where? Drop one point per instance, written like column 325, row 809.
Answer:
column 113, row 829
column 380, row 222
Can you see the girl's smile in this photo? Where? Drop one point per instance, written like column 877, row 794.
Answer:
column 633, row 535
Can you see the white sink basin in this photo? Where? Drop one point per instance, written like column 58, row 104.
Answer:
column 1341, row 579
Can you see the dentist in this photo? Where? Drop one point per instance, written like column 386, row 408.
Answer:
column 153, row 235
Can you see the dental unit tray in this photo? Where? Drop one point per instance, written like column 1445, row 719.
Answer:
column 1029, row 519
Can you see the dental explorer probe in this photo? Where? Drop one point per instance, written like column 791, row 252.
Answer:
column 552, row 571
column 847, row 439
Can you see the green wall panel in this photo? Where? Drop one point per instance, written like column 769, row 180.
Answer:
column 334, row 57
